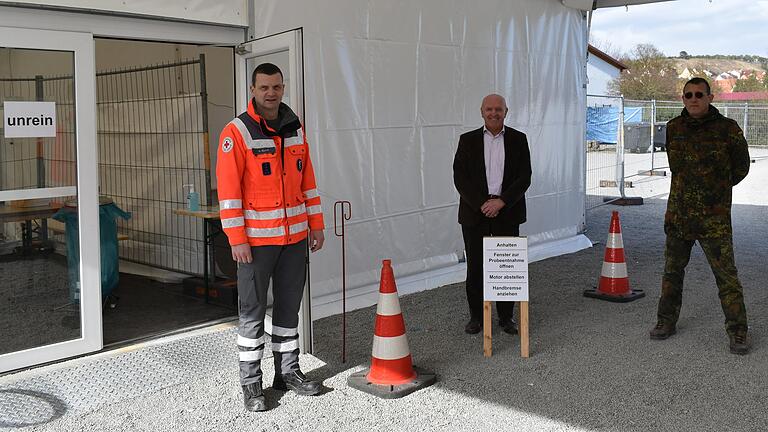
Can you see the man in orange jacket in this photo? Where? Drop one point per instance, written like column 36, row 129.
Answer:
column 269, row 209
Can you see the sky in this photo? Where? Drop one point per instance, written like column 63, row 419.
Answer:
column 695, row 26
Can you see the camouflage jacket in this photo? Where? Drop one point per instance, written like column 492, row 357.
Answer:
column 707, row 158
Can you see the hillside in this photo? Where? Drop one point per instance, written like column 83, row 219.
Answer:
column 714, row 64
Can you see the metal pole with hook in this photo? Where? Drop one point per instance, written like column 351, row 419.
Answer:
column 344, row 210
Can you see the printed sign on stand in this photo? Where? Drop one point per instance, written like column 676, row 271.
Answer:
column 505, row 278
column 505, row 269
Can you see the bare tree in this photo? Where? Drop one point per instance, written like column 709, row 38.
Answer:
column 606, row 46
column 651, row 75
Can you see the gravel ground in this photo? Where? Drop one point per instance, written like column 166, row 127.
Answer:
column 592, row 365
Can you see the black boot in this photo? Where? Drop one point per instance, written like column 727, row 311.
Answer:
column 508, row 325
column 253, row 397
column 662, row 331
column 473, row 326
column 297, row 382
column 739, row 343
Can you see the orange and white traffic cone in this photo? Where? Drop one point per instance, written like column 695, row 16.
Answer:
column 614, row 282
column 392, row 374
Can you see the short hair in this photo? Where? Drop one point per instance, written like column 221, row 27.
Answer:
column 266, row 69
column 698, row 81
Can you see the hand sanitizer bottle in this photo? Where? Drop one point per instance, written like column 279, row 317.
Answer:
column 193, row 198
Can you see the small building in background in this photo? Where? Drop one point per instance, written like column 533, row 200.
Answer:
column 601, row 69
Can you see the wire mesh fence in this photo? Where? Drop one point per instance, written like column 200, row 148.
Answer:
column 152, row 129
column 613, row 169
column 153, row 139
column 39, row 162
column 751, row 117
column 604, row 150
column 29, row 163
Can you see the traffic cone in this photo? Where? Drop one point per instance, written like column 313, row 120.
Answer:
column 614, row 283
column 392, row 374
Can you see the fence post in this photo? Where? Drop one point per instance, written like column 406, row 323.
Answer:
column 653, row 131
column 746, row 119
column 620, row 151
column 206, row 134
column 39, row 96
column 41, row 180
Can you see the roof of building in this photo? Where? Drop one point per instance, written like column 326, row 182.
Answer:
column 607, row 58
column 742, row 96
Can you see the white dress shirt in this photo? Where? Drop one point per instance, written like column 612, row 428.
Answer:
column 494, row 160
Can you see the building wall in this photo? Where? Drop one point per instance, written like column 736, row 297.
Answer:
column 600, row 73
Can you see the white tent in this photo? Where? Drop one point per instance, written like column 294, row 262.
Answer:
column 389, row 87
column 388, row 90
column 587, row 5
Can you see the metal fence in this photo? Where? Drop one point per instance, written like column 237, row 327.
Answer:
column 31, row 163
column 50, row 162
column 152, row 125
column 604, row 176
column 632, row 141
column 153, row 138
column 752, row 118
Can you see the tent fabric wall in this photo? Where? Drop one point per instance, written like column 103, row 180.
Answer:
column 390, row 86
column 225, row 12
column 588, row 5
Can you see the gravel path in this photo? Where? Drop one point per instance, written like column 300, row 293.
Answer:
column 592, row 365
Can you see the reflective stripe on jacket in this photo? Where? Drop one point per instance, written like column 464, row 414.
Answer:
column 266, row 183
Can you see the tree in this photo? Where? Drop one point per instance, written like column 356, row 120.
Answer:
column 605, row 46
column 751, row 84
column 684, row 55
column 651, row 75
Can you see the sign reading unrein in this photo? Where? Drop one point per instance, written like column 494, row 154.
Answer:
column 505, row 269
column 29, row 119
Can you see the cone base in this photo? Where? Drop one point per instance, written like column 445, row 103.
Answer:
column 631, row 296
column 626, row 201
column 359, row 381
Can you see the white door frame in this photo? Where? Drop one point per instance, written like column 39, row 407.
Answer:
column 292, row 42
column 81, row 44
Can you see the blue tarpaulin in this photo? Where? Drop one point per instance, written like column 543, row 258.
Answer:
column 603, row 122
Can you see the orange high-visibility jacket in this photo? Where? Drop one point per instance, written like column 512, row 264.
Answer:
column 266, row 184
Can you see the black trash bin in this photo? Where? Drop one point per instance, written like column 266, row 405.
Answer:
column 637, row 137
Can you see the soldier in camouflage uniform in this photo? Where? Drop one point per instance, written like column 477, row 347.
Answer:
column 708, row 155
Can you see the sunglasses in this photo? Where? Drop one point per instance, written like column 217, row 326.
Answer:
column 689, row 95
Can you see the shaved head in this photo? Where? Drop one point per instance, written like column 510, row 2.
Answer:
column 494, row 110
column 494, row 98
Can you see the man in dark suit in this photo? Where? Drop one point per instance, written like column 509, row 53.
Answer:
column 491, row 171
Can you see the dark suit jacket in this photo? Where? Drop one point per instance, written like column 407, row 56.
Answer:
column 472, row 184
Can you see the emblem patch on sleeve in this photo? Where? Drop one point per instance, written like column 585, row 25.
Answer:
column 227, row 145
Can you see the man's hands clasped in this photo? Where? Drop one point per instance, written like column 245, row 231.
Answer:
column 492, row 207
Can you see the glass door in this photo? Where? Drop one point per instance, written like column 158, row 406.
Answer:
column 50, row 299
column 285, row 51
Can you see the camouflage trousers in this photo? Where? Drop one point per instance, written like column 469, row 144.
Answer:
column 719, row 253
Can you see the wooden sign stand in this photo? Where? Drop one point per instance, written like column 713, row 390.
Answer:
column 523, row 329
column 505, row 278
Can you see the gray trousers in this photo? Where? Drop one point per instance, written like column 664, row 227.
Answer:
column 286, row 267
